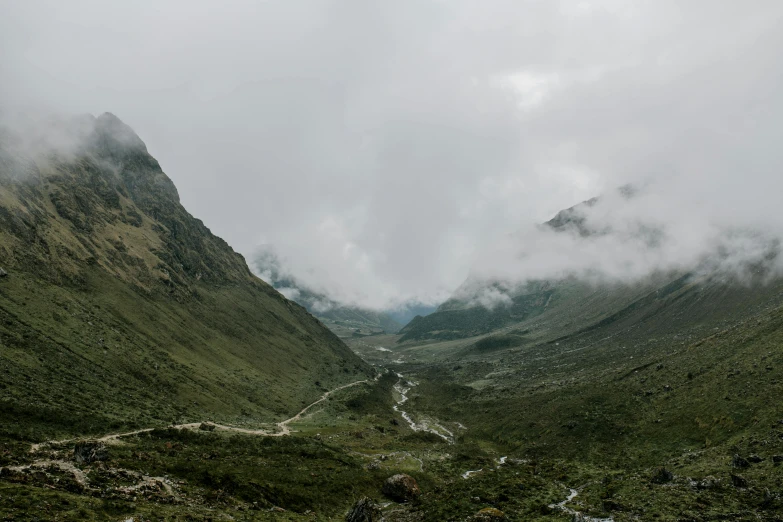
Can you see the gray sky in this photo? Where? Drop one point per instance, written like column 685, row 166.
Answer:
column 385, row 148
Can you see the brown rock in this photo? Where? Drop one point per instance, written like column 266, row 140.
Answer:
column 489, row 514
column 401, row 488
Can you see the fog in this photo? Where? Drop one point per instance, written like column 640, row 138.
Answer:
column 387, row 150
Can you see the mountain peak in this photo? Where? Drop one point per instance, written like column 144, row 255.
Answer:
column 113, row 135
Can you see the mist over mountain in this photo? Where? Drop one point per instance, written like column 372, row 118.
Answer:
column 344, row 318
column 625, row 237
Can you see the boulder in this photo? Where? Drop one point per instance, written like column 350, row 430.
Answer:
column 777, row 459
column 755, row 459
column 401, row 488
column 739, row 481
column 662, row 476
column 708, row 482
column 365, row 510
column 89, row 451
column 207, row 426
column 739, row 462
column 489, row 514
column 3, row 273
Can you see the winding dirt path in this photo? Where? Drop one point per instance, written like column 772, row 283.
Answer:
column 283, row 428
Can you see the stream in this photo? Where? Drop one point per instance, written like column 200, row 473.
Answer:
column 577, row 514
column 402, row 388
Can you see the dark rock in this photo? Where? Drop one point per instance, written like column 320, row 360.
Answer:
column 738, row 481
column 401, row 488
column 207, row 426
column 755, row 459
column 612, row 505
column 365, row 510
column 739, row 462
column 662, row 476
column 89, row 451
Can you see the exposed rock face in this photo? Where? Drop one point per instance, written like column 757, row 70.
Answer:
column 365, row 510
column 90, row 451
column 401, row 488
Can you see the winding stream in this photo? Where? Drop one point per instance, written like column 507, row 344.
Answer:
column 572, row 494
column 402, row 388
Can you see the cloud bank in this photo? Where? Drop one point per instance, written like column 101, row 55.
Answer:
column 386, row 149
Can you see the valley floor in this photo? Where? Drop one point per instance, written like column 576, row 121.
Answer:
column 541, row 432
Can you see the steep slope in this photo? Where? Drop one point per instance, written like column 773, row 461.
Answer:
column 120, row 308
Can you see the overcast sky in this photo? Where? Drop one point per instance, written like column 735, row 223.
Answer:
column 385, row 147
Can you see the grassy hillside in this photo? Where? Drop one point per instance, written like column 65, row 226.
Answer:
column 121, row 309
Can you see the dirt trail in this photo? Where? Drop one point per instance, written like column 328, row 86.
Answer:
column 68, row 467
column 282, row 426
column 282, row 429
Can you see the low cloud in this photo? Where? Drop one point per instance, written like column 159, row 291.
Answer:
column 664, row 227
column 390, row 149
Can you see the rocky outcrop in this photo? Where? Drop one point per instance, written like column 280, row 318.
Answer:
column 739, row 462
column 401, row 488
column 90, row 451
column 662, row 476
column 365, row 510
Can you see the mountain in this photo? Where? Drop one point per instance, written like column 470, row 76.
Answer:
column 344, row 320
column 120, row 309
column 481, row 306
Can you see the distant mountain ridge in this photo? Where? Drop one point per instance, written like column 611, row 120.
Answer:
column 483, row 306
column 344, row 320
